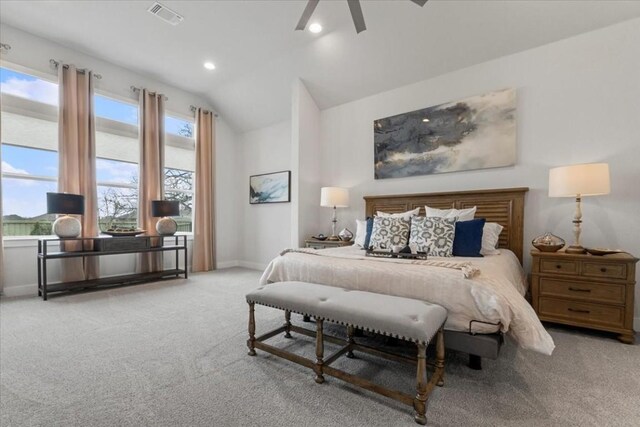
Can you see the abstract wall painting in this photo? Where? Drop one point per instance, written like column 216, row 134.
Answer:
column 474, row 133
column 270, row 188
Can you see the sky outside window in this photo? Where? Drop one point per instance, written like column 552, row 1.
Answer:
column 27, row 86
column 115, row 110
column 179, row 127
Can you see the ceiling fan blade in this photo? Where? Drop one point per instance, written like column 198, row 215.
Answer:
column 420, row 2
column 306, row 14
column 356, row 14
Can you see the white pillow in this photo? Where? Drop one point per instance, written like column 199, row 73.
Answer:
column 404, row 215
column 461, row 214
column 361, row 232
column 490, row 235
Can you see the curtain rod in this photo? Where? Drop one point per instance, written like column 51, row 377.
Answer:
column 56, row 64
column 193, row 109
column 137, row 89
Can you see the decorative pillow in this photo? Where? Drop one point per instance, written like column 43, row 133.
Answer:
column 388, row 232
column 490, row 236
column 433, row 235
column 461, row 214
column 361, row 232
column 367, row 239
column 468, row 238
column 406, row 215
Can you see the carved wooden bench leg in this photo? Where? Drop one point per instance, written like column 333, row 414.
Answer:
column 319, row 351
column 287, row 324
column 420, row 401
column 252, row 330
column 440, row 358
column 350, row 341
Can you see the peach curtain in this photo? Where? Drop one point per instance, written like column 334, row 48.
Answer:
column 203, row 217
column 151, row 181
column 77, row 160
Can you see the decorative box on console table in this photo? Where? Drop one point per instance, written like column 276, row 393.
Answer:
column 113, row 244
column 585, row 290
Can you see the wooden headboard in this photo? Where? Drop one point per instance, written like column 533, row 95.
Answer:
column 504, row 206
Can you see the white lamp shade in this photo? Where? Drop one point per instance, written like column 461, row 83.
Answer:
column 590, row 179
column 334, row 197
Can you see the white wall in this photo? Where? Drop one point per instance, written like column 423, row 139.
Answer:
column 33, row 53
column 578, row 101
column 306, row 166
column 267, row 227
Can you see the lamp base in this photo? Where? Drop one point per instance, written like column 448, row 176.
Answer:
column 575, row 249
column 166, row 226
column 67, row 227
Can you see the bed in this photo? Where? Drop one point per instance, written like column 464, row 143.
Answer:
column 484, row 302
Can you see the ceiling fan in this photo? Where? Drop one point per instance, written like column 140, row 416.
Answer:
column 354, row 7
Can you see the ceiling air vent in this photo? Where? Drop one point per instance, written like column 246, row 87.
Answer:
column 164, row 13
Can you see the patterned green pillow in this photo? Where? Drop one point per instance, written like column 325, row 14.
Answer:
column 388, row 232
column 433, row 235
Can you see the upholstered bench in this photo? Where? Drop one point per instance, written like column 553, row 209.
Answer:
column 403, row 318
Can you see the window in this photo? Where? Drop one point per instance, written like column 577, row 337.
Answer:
column 117, row 151
column 178, row 127
column 180, row 163
column 30, row 159
column 115, row 110
column 28, row 152
column 28, row 87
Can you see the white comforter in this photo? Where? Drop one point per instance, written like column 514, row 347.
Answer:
column 494, row 294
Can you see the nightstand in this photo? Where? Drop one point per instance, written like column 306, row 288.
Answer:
column 585, row 290
column 324, row 244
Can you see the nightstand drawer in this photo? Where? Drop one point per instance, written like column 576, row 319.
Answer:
column 603, row 269
column 315, row 246
column 607, row 293
column 587, row 313
column 558, row 266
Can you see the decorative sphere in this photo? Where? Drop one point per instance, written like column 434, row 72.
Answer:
column 166, row 226
column 67, row 227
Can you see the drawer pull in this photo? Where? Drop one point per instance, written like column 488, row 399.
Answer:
column 558, row 266
column 603, row 269
column 575, row 310
column 579, row 290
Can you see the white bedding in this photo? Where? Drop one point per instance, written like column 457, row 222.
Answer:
column 494, row 295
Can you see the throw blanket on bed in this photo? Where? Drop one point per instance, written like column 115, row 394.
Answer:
column 468, row 270
column 493, row 294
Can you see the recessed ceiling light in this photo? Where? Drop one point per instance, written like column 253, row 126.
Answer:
column 425, row 120
column 209, row 66
column 315, row 27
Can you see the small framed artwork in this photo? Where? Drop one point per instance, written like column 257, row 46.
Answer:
column 272, row 187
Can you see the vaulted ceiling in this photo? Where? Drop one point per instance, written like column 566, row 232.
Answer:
column 258, row 54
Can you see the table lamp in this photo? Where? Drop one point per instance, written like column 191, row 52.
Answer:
column 164, row 209
column 334, row 197
column 590, row 179
column 66, row 226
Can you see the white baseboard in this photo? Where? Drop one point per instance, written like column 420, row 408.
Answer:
column 227, row 264
column 20, row 291
column 253, row 265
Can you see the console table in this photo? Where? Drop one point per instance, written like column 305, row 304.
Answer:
column 94, row 246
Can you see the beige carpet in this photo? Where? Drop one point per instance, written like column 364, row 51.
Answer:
column 173, row 354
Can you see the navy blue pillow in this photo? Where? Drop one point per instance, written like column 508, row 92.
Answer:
column 369, row 229
column 468, row 238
